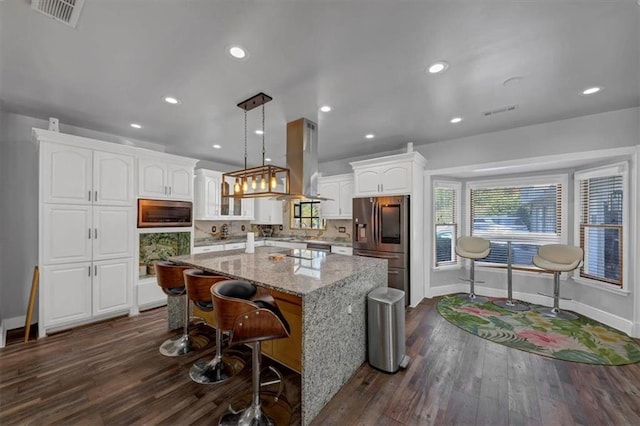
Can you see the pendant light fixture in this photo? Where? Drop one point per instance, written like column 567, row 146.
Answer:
column 274, row 180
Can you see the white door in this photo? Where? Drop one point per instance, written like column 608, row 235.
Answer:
column 367, row 182
column 396, row 179
column 67, row 293
column 67, row 233
column 112, row 232
column 152, row 179
column 346, row 199
column 112, row 178
column 180, row 181
column 330, row 208
column 66, row 174
column 111, row 286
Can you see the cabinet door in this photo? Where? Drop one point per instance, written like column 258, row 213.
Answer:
column 112, row 179
column 267, row 212
column 112, row 232
column 330, row 208
column 111, row 286
column 66, row 174
column 211, row 197
column 247, row 208
column 67, row 233
column 367, row 182
column 152, row 179
column 346, row 199
column 396, row 179
column 66, row 293
column 180, row 181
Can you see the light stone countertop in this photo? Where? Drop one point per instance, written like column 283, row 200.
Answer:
column 290, row 275
column 203, row 242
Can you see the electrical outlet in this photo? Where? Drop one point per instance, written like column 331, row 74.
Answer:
column 349, row 309
column 342, row 229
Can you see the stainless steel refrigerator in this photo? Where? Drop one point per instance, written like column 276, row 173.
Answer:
column 381, row 229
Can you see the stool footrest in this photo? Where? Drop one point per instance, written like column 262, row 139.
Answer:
column 468, row 280
column 552, row 296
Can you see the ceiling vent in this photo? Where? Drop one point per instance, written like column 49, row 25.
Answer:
column 65, row 11
column 500, row 110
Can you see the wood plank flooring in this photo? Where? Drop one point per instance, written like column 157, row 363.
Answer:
column 112, row 374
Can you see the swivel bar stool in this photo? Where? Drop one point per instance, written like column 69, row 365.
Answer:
column 253, row 322
column 199, row 285
column 473, row 248
column 557, row 258
column 170, row 278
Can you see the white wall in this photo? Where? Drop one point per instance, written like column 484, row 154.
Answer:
column 606, row 133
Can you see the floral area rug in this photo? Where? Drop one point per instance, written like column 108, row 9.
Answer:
column 582, row 340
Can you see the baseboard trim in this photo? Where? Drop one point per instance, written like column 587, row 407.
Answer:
column 2, row 334
column 614, row 321
column 14, row 322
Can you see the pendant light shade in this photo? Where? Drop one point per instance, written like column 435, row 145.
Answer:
column 268, row 175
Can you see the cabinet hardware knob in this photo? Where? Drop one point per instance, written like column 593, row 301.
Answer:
column 95, row 197
column 95, row 270
column 89, row 233
column 95, row 233
column 169, row 190
column 89, row 270
column 89, row 195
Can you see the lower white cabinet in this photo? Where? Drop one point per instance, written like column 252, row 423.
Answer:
column 80, row 291
column 342, row 250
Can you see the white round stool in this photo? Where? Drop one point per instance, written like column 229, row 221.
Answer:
column 473, row 248
column 557, row 258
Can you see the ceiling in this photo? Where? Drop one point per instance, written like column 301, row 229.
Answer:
column 364, row 58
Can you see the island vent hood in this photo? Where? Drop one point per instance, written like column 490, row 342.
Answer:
column 302, row 160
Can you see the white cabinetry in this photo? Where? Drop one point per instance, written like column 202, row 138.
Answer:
column 165, row 178
column 340, row 191
column 208, row 201
column 342, row 250
column 388, row 178
column 86, row 236
column 267, row 211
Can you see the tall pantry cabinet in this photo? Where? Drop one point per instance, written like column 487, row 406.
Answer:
column 86, row 229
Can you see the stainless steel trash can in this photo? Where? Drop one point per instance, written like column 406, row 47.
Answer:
column 385, row 312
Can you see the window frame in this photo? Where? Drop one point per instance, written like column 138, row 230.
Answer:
column 297, row 205
column 613, row 169
column 510, row 182
column 457, row 187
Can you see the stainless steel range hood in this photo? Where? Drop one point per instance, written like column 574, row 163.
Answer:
column 302, row 160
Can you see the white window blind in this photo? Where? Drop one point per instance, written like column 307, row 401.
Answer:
column 446, row 218
column 601, row 202
column 527, row 212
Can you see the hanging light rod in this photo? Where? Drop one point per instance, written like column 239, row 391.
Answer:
column 255, row 101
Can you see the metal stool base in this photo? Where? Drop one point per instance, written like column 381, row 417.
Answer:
column 556, row 313
column 252, row 416
column 473, row 298
column 183, row 344
column 511, row 305
column 206, row 374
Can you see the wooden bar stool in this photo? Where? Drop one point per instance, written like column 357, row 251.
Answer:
column 254, row 321
column 557, row 258
column 473, row 248
column 216, row 370
column 170, row 278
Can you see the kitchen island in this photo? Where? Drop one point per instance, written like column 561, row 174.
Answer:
column 332, row 290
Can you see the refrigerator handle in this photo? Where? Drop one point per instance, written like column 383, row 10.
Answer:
column 374, row 229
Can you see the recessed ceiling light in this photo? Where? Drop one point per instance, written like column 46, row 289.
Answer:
column 455, row 120
column 171, row 100
column 325, row 108
column 591, row 90
column 259, row 132
column 216, row 146
column 370, row 136
column 237, row 52
column 136, row 126
column 267, row 159
column 438, row 67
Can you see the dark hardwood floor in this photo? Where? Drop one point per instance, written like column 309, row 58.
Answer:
column 111, row 373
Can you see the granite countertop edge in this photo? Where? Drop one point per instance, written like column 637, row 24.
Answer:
column 205, row 242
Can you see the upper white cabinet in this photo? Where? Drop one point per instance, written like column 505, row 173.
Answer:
column 73, row 175
column 267, row 211
column 387, row 175
column 208, row 201
column 164, row 178
column 340, row 190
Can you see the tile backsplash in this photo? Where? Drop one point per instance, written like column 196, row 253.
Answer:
column 204, row 229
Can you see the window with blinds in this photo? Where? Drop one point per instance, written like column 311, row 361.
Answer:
column 524, row 212
column 600, row 200
column 446, row 198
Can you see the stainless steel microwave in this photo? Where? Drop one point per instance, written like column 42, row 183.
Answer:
column 164, row 213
